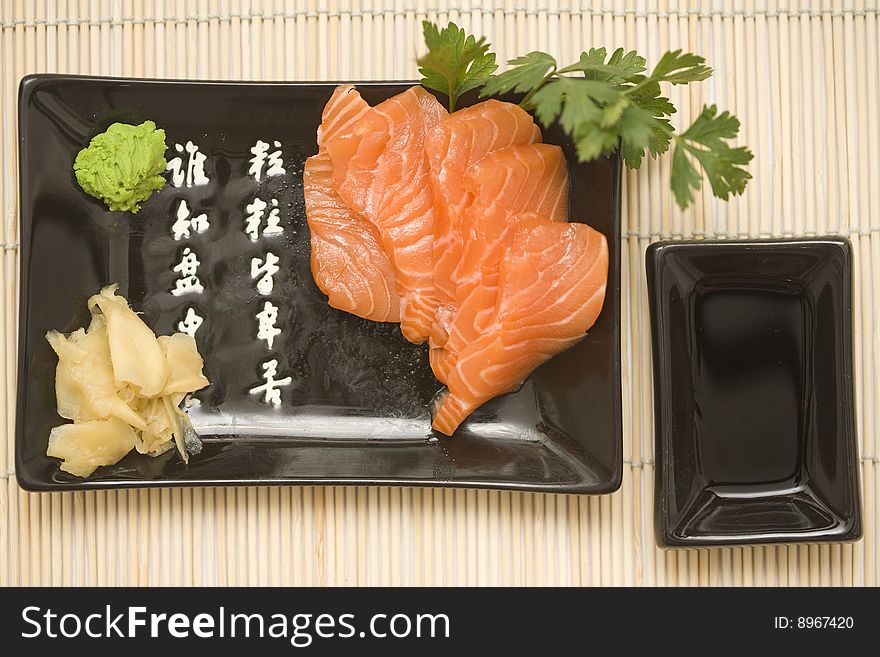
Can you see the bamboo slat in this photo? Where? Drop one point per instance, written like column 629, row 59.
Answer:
column 803, row 76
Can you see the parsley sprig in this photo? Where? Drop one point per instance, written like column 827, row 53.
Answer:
column 603, row 102
column 455, row 62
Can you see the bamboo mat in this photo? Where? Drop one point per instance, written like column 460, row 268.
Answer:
column 803, row 77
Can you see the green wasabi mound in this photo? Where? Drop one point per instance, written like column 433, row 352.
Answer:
column 123, row 166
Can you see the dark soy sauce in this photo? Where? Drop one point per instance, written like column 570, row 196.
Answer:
column 751, row 379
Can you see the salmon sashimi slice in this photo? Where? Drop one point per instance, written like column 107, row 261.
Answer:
column 348, row 262
column 454, row 145
column 381, row 171
column 551, row 290
column 343, row 109
column 508, row 186
column 439, row 362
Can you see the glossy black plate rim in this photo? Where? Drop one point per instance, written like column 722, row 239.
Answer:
column 663, row 534
column 607, row 486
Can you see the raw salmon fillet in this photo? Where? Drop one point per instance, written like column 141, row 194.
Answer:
column 456, row 144
column 343, row 109
column 456, row 226
column 381, row 171
column 507, row 186
column 551, row 290
column 348, row 262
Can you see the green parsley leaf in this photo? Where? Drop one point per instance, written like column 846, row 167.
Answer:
column 585, row 109
column 705, row 141
column 631, row 62
column 636, row 127
column 685, row 178
column 603, row 102
column 456, row 62
column 548, row 101
column 649, row 98
column 620, row 66
column 591, row 143
column 658, row 143
column 680, row 68
column 526, row 74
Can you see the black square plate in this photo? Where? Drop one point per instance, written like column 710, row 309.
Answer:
column 755, row 438
column 358, row 409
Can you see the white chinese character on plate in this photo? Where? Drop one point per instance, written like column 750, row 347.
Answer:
column 254, row 219
column 261, row 152
column 266, row 329
column 273, row 222
column 190, row 323
column 188, row 268
column 194, row 172
column 181, row 227
column 271, row 388
column 265, row 270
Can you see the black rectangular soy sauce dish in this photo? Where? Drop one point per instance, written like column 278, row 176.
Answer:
column 755, row 432
column 359, row 410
